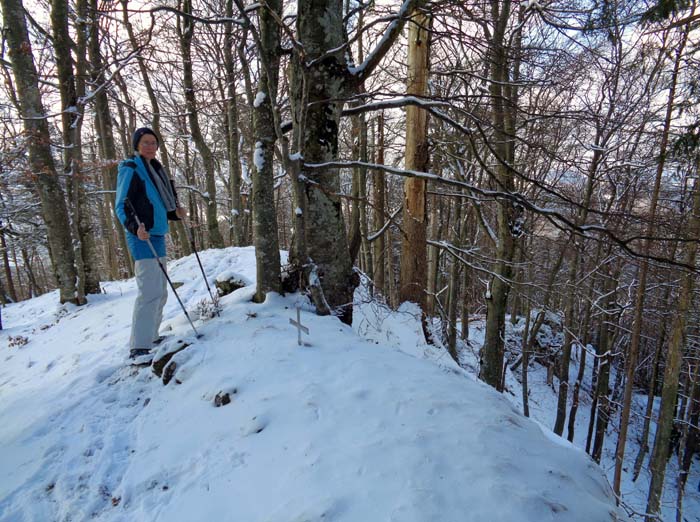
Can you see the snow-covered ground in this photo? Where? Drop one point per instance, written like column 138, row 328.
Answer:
column 359, row 424
column 543, row 406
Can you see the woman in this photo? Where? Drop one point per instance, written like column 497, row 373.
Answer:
column 146, row 200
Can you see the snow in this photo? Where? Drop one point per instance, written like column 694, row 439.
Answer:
column 543, row 404
column 259, row 156
column 228, row 275
column 259, row 99
column 360, row 424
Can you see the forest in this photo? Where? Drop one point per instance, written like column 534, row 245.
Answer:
column 487, row 160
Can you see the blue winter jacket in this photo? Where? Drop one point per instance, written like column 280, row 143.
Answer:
column 135, row 184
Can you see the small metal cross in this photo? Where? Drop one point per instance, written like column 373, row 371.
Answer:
column 300, row 327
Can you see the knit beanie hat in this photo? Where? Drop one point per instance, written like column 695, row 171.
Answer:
column 139, row 133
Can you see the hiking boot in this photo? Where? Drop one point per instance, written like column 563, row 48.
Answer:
column 140, row 357
column 138, row 352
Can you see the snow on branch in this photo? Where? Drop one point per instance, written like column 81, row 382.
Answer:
column 427, row 104
column 389, row 222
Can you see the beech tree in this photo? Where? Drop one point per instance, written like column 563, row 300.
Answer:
column 41, row 162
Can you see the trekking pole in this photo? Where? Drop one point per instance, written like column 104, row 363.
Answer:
column 172, row 287
column 190, row 236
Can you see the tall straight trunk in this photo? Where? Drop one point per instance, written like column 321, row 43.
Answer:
column 691, row 433
column 433, row 253
column 492, row 352
column 526, row 362
column 4, row 299
column 317, row 88
column 604, row 355
column 358, row 174
column 109, row 240
column 516, row 301
column 72, row 90
column 33, row 285
column 466, row 278
column 669, row 391
column 103, row 121
column 570, row 319
column 454, row 285
column 366, row 249
column 53, row 203
column 689, row 438
column 356, row 237
column 6, row 266
column 577, row 386
column 20, row 291
column 413, row 246
column 631, row 361
column 186, row 33
column 660, row 343
column 379, row 244
column 584, row 350
column 233, row 134
column 267, row 252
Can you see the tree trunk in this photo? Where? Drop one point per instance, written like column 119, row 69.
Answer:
column 413, row 247
column 358, row 176
column 267, row 253
column 492, row 352
column 379, row 244
column 660, row 343
column 318, row 87
column 454, row 285
column 6, row 265
column 18, row 272
column 584, row 350
column 72, row 119
column 41, row 162
column 321, row 81
column 526, row 362
column 604, row 354
column 33, row 285
column 631, row 361
column 433, row 253
column 233, row 134
column 103, row 124
column 669, row 390
column 186, row 32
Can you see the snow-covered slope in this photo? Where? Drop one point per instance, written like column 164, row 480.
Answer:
column 344, row 428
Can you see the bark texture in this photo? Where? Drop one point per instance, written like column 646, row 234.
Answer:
column 414, row 262
column 53, row 204
column 492, row 353
column 267, row 253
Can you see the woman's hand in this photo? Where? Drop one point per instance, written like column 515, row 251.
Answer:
column 142, row 233
column 181, row 212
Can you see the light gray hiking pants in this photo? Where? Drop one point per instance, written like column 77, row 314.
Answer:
column 151, row 298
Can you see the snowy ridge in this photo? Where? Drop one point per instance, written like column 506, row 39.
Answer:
column 345, row 428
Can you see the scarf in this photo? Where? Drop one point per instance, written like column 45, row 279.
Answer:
column 162, row 183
